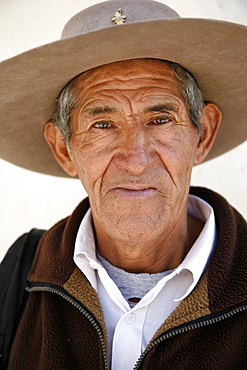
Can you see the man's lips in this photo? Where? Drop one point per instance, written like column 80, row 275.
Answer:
column 135, row 190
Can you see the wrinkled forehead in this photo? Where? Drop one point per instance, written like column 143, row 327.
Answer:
column 127, row 67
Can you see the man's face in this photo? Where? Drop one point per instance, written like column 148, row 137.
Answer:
column 133, row 147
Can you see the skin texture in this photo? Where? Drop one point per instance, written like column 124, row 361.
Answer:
column 133, row 147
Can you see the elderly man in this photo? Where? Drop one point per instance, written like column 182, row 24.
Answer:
column 141, row 275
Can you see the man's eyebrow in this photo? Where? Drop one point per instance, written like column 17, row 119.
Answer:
column 166, row 107
column 93, row 111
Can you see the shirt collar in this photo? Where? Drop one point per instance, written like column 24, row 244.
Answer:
column 85, row 252
column 199, row 255
column 195, row 261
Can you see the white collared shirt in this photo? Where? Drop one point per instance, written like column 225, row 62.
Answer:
column 130, row 330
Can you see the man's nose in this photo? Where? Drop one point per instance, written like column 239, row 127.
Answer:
column 135, row 152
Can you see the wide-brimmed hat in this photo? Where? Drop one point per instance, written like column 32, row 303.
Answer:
column 213, row 51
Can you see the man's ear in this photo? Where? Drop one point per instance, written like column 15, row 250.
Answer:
column 59, row 148
column 210, row 122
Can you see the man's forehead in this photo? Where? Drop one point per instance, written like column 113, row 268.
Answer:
column 127, row 67
column 141, row 80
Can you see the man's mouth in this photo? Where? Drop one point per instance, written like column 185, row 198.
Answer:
column 135, row 190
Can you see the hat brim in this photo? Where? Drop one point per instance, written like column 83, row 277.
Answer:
column 213, row 51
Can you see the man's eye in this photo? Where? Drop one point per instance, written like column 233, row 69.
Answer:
column 160, row 121
column 102, row 125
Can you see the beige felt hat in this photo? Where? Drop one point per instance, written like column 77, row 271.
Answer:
column 213, row 51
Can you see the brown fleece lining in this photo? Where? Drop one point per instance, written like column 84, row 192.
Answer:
column 80, row 288
column 191, row 308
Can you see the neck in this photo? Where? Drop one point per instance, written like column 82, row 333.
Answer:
column 153, row 256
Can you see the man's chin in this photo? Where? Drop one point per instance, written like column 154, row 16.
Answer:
column 132, row 229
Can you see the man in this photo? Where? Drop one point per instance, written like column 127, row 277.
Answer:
column 142, row 275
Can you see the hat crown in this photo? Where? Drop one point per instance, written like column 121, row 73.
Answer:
column 99, row 16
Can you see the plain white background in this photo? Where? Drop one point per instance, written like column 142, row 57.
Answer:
column 28, row 199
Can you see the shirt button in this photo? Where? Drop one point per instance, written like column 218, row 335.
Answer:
column 130, row 318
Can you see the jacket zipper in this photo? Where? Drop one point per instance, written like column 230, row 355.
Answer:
column 77, row 305
column 161, row 338
column 202, row 322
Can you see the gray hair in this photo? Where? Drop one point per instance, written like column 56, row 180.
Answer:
column 65, row 104
column 67, row 100
column 191, row 93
